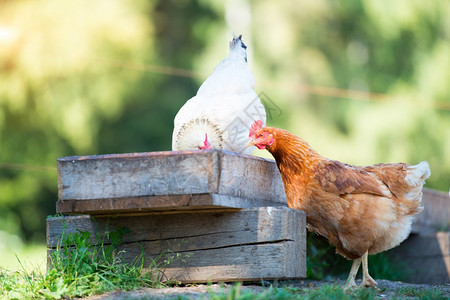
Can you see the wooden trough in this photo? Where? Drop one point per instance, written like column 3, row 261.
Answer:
column 224, row 214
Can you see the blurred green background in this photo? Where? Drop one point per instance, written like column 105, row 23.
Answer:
column 362, row 81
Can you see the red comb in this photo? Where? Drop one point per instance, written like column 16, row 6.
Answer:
column 257, row 125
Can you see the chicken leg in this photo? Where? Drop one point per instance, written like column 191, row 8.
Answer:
column 367, row 280
column 350, row 282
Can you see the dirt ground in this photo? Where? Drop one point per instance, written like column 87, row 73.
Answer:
column 387, row 290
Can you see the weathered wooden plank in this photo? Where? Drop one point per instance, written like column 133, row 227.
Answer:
column 276, row 260
column 137, row 174
column 129, row 205
column 253, row 225
column 250, row 177
column 430, row 250
column 241, row 263
column 435, row 215
column 166, row 180
column 248, row 244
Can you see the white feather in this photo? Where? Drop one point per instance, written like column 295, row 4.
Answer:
column 227, row 101
column 417, row 174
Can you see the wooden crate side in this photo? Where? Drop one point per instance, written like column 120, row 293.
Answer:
column 243, row 226
column 435, row 215
column 138, row 174
column 111, row 206
column 430, row 250
column 250, row 177
column 166, row 181
column 240, row 263
column 58, row 227
column 251, row 244
column 295, row 256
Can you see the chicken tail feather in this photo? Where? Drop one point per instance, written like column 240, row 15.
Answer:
column 199, row 133
column 238, row 46
column 417, row 174
column 415, row 178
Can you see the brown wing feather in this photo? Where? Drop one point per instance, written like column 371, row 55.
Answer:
column 392, row 175
column 339, row 178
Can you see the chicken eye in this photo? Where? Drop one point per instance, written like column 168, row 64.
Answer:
column 261, row 135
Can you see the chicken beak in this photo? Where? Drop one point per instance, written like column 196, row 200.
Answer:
column 250, row 143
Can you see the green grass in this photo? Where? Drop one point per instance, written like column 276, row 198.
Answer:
column 424, row 294
column 79, row 269
column 326, row 291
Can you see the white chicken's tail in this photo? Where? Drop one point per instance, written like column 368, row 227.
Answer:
column 191, row 135
column 417, row 174
column 238, row 47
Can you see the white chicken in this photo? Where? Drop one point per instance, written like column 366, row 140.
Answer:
column 225, row 107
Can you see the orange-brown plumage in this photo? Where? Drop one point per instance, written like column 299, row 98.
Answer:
column 360, row 210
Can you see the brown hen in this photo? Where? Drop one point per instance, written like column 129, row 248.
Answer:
column 360, row 210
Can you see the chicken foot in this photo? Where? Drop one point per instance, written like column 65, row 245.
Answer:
column 367, row 280
column 350, row 282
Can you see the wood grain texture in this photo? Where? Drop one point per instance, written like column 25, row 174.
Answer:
column 248, row 244
column 137, row 174
column 430, row 250
column 435, row 215
column 166, row 180
column 111, row 206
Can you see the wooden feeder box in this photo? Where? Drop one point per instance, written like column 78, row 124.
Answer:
column 224, row 213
